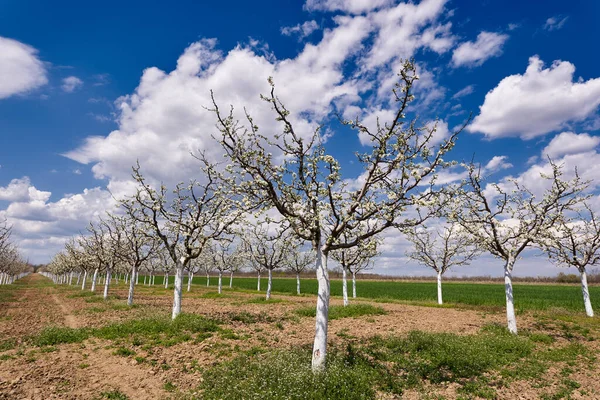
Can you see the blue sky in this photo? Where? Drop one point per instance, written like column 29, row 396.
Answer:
column 86, row 90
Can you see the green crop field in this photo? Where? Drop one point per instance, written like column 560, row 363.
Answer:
column 486, row 295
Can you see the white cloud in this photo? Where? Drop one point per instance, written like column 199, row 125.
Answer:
column 570, row 143
column 555, row 23
column 20, row 68
column 71, row 83
column 497, row 163
column 472, row 54
column 538, row 102
column 301, row 30
column 464, row 92
column 20, row 190
column 350, row 6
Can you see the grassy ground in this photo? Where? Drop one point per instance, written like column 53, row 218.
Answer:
column 482, row 295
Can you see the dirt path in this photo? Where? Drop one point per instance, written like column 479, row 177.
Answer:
column 70, row 320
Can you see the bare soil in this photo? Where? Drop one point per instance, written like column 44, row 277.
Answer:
column 89, row 369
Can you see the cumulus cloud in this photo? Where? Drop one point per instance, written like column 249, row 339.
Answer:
column 301, row 30
column 570, row 143
column 71, row 83
column 20, row 190
column 473, row 54
column 20, row 68
column 555, row 23
column 540, row 101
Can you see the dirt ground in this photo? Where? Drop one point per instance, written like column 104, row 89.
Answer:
column 91, row 369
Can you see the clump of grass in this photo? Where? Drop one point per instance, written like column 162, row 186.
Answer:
column 81, row 294
column 124, row 352
column 162, row 329
column 263, row 300
column 114, row 395
column 7, row 344
column 349, row 311
column 287, row 375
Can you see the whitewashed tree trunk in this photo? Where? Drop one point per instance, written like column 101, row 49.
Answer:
column 322, row 317
column 137, row 277
column 220, row 281
column 258, row 283
column 145, row 284
column 78, row 278
column 166, row 280
column 269, row 284
column 353, row 285
column 510, row 305
column 94, row 280
column 71, row 278
column 126, row 278
column 586, row 294
column 177, row 291
column 344, row 287
column 298, row 283
column 131, row 288
column 207, row 279
column 231, row 280
column 84, row 278
column 107, row 283
column 190, row 275
column 439, row 286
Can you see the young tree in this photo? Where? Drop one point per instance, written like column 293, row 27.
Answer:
column 506, row 220
column 441, row 249
column 576, row 242
column 222, row 256
column 304, row 185
column 270, row 250
column 354, row 259
column 197, row 213
column 299, row 261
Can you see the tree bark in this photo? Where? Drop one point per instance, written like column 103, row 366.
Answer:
column 510, row 306
column 131, row 287
column 177, row 290
column 94, row 279
column 439, row 287
column 220, row 287
column 258, row 284
column 322, row 315
column 231, row 280
column 269, row 284
column 166, row 280
column 345, row 286
column 107, row 282
column 298, row 283
column 207, row 279
column 353, row 284
column 190, row 275
column 84, row 278
column 586, row 294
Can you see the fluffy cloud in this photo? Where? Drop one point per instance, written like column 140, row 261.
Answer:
column 71, row 83
column 472, row 54
column 301, row 30
column 20, row 190
column 540, row 101
column 570, row 143
column 464, row 92
column 20, row 68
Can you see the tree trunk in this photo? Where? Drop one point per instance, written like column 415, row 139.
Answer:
column 231, row 280
column 344, row 286
column 269, row 284
column 131, row 287
column 353, row 284
column 190, row 275
column 166, row 280
column 322, row 317
column 84, row 278
column 439, row 286
column 78, row 278
column 298, row 283
column 510, row 306
column 586, row 294
column 207, row 279
column 94, row 279
column 177, row 291
column 220, row 281
column 137, row 277
column 145, row 284
column 107, row 283
column 258, row 284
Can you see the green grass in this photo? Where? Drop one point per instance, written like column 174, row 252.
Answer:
column 350, row 311
column 487, row 295
column 162, row 330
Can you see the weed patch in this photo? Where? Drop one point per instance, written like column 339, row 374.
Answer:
column 349, row 311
